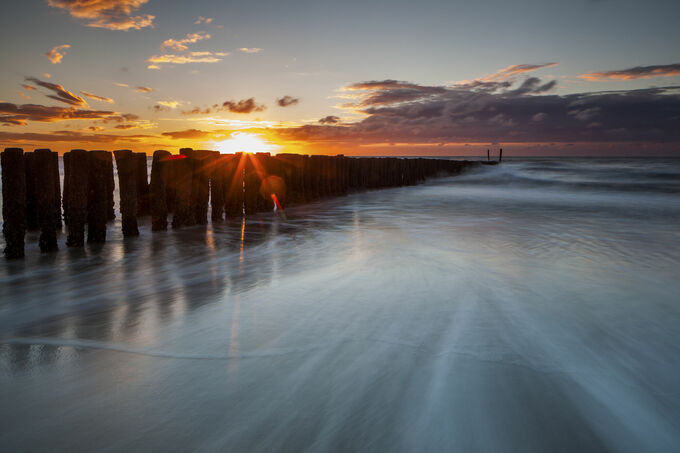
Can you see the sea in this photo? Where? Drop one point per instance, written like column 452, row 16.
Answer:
column 532, row 306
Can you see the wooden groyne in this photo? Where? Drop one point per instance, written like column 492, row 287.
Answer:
column 183, row 186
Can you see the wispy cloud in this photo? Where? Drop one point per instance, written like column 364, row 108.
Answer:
column 180, row 45
column 287, row 101
column 17, row 115
column 189, row 133
column 250, row 49
column 60, row 93
column 68, row 136
column 169, row 104
column 243, row 106
column 142, row 89
column 57, row 53
column 109, row 14
column 191, row 57
column 330, row 119
column 124, row 85
column 203, row 20
column 96, row 97
column 638, row 72
column 28, row 87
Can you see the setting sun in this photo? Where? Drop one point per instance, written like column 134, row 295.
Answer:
column 245, row 142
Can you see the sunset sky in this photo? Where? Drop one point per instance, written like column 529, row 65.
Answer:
column 359, row 78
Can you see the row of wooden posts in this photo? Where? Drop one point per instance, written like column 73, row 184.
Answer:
column 183, row 185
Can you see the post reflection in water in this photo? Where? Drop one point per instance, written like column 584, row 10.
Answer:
column 519, row 308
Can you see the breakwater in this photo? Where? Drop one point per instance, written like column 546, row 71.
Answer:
column 183, row 188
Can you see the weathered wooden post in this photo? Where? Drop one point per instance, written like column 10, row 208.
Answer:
column 183, row 172
column 126, row 164
column 13, row 201
column 47, row 199
column 203, row 160
column 500, row 155
column 66, row 158
column 76, row 194
column 217, row 177
column 110, row 187
column 234, row 185
column 251, row 190
column 159, row 207
column 54, row 162
column 31, row 196
column 142, row 179
column 488, row 155
column 97, row 203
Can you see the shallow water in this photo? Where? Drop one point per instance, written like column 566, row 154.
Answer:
column 533, row 306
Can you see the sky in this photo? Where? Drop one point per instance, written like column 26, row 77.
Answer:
column 354, row 77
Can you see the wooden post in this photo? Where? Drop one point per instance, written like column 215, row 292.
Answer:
column 47, row 199
column 143, row 201
column 31, row 195
column 54, row 162
column 13, row 201
column 76, row 194
column 488, row 155
column 110, row 187
column 500, row 155
column 184, row 210
column 234, row 185
column 97, row 203
column 203, row 160
column 66, row 158
column 251, row 186
column 159, row 207
column 126, row 164
column 217, row 175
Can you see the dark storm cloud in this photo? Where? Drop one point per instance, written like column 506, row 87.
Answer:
column 287, row 101
column 480, row 112
column 638, row 72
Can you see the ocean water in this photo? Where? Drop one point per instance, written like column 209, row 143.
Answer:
column 528, row 307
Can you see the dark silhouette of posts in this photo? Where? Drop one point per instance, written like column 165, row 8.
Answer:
column 13, row 201
column 159, row 206
column 143, row 200
column 488, row 155
column 31, row 195
column 47, row 199
column 97, row 203
column 126, row 163
column 500, row 155
column 76, row 193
